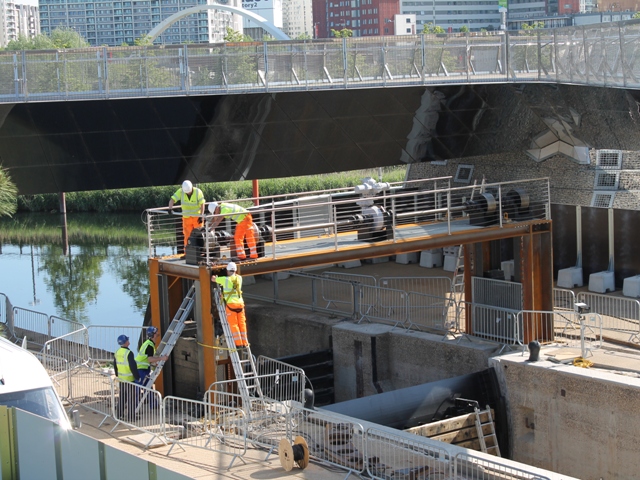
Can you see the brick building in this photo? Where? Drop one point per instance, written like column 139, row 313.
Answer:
column 366, row 18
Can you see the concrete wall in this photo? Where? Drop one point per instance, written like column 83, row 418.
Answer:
column 571, row 420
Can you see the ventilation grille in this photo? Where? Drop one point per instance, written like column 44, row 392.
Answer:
column 603, row 199
column 607, row 181
column 464, row 174
column 609, row 159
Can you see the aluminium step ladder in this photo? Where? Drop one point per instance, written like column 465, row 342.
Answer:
column 243, row 368
column 171, row 337
column 493, row 448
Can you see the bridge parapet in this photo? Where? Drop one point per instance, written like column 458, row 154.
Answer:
column 596, row 55
column 339, row 225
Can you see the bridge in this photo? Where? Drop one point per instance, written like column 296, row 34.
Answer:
column 119, row 117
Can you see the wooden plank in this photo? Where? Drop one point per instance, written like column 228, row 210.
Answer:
column 448, row 425
column 462, row 435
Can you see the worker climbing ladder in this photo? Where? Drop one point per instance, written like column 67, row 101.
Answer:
column 488, row 426
column 244, row 368
column 170, row 337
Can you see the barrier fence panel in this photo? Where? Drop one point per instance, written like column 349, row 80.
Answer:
column 281, row 381
column 564, row 299
column 103, row 341
column 331, row 439
column 494, row 323
column 394, row 456
column 497, row 293
column 479, row 468
column 4, row 308
column 216, row 427
column 429, row 312
column 93, row 389
column 334, row 291
column 620, row 315
column 73, row 347
column 33, row 325
column 138, row 406
column 384, row 305
column 434, row 286
column 61, row 326
column 59, row 372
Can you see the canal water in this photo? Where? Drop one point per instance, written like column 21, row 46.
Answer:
column 103, row 280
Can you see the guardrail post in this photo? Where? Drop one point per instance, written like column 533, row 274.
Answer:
column 623, row 65
column 345, row 61
column 25, row 89
column 356, row 299
column 184, row 69
column 266, row 66
column 424, row 58
column 314, row 294
column 16, row 76
column 539, row 55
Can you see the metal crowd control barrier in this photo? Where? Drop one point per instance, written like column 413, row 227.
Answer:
column 59, row 371
column 482, row 468
column 497, row 293
column 494, row 323
column 432, row 313
column 334, row 293
column 564, row 299
column 396, row 456
column 619, row 314
column 206, row 425
column 434, row 286
column 31, row 324
column 94, row 389
column 103, row 341
column 73, row 347
column 281, row 381
column 331, row 439
column 384, row 305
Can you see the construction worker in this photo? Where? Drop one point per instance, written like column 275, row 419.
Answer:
column 192, row 200
column 244, row 226
column 234, row 304
column 126, row 370
column 147, row 355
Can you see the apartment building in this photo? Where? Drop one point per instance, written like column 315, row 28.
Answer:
column 16, row 19
column 297, row 18
column 114, row 22
column 366, row 18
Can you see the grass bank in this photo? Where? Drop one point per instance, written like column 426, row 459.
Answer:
column 139, row 199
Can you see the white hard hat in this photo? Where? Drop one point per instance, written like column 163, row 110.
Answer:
column 187, row 186
column 231, row 267
column 212, row 207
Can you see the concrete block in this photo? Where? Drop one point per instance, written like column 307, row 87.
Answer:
column 406, row 258
column 508, row 269
column 377, row 260
column 570, row 277
column 602, row 282
column 351, row 264
column 248, row 280
column 450, row 263
column 431, row 258
column 631, row 287
column 281, row 276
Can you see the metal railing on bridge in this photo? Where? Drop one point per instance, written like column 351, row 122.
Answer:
column 599, row 55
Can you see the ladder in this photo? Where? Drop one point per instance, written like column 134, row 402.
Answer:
column 244, row 368
column 171, row 337
column 457, row 283
column 493, row 448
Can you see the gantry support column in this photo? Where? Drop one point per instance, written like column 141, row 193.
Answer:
column 206, row 333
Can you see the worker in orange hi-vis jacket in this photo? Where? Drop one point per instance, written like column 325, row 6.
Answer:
column 244, row 227
column 234, row 304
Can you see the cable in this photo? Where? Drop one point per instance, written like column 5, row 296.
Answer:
column 582, row 362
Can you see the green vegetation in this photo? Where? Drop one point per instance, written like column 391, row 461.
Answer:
column 233, row 36
column 8, row 193
column 60, row 38
column 344, row 33
column 139, row 199
column 430, row 28
column 464, row 29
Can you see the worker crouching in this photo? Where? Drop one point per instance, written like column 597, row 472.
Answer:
column 234, row 304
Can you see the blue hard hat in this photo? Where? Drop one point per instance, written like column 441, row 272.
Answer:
column 151, row 331
column 122, row 339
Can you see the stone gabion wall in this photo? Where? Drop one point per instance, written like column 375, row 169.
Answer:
column 571, row 183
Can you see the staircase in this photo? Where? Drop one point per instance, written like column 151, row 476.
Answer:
column 242, row 360
column 170, row 337
column 487, row 432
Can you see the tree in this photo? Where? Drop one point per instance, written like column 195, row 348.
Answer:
column 303, row 36
column 344, row 33
column 534, row 26
column 60, row 38
column 143, row 41
column 233, row 36
column 464, row 29
column 8, row 194
column 636, row 15
column 431, row 28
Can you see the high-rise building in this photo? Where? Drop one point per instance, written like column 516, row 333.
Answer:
column 18, row 19
column 270, row 10
column 114, row 22
column 365, row 18
column 452, row 15
column 297, row 18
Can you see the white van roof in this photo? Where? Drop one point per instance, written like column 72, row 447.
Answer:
column 20, row 369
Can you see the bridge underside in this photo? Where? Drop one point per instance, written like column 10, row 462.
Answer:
column 105, row 144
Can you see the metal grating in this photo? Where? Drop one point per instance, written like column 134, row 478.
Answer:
column 609, row 159
column 464, row 173
column 603, row 199
column 606, row 181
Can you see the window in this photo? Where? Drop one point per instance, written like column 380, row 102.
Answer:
column 464, row 173
column 408, row 20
